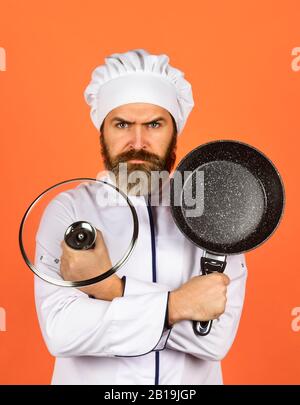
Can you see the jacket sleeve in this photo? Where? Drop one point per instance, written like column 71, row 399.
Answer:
column 72, row 323
column 217, row 343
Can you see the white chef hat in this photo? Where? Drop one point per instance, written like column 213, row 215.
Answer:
column 137, row 76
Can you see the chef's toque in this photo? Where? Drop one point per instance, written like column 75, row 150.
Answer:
column 138, row 77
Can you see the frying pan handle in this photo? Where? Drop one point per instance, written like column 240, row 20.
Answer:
column 209, row 264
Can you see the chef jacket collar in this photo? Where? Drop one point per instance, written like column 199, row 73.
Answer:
column 141, row 200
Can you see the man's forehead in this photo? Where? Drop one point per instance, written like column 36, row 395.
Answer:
column 134, row 120
column 138, row 112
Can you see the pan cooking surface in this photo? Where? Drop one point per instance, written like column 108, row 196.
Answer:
column 234, row 203
column 243, row 197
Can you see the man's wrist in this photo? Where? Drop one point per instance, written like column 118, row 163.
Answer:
column 173, row 313
column 167, row 325
column 108, row 289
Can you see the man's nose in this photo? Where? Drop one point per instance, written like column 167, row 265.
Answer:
column 138, row 137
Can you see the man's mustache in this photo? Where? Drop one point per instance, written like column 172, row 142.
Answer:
column 138, row 155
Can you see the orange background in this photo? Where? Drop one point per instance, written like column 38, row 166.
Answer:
column 237, row 55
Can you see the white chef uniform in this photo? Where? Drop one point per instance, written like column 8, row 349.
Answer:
column 124, row 341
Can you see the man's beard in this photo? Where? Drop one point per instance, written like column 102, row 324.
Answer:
column 153, row 163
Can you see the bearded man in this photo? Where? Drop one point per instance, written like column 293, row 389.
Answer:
column 134, row 327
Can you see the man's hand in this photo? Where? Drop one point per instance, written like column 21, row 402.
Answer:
column 202, row 298
column 76, row 265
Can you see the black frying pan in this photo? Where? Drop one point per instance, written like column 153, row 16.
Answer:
column 242, row 204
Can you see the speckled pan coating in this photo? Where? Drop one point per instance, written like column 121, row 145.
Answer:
column 243, row 197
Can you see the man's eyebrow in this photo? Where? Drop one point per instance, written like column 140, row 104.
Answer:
column 120, row 119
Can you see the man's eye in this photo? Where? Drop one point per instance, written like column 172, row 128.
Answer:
column 121, row 123
column 155, row 123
